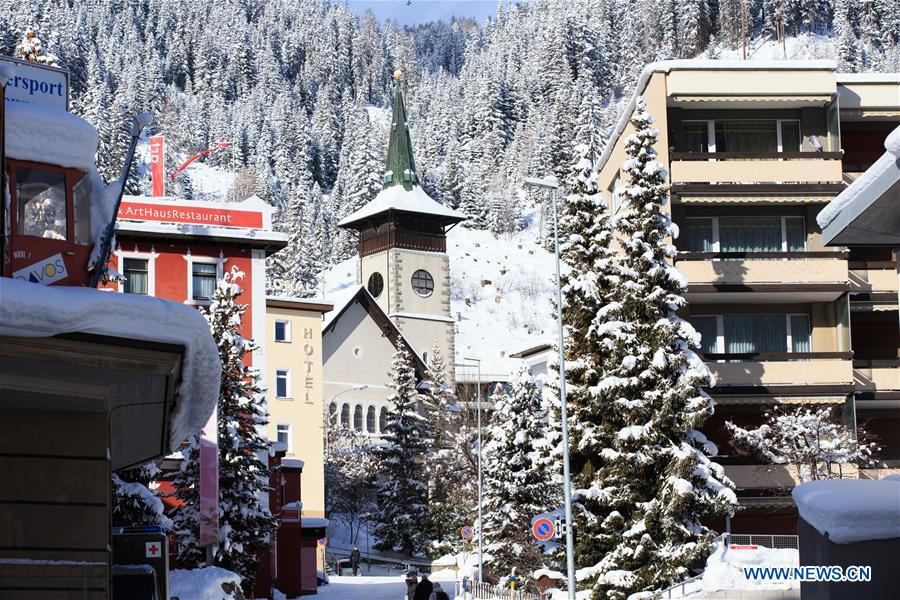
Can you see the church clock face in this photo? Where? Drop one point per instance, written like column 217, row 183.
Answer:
column 376, row 284
column 422, row 283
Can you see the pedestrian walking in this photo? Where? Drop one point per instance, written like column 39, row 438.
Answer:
column 439, row 593
column 424, row 589
column 411, row 582
column 354, row 560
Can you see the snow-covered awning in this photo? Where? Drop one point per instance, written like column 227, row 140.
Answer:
column 396, row 198
column 40, row 134
column 32, row 310
column 868, row 211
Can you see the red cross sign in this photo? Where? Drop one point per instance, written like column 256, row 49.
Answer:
column 152, row 549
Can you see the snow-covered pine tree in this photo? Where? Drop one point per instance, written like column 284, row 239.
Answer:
column 186, row 518
column 245, row 525
column 812, row 439
column 134, row 502
column 401, row 519
column 515, row 487
column 653, row 481
column 31, row 48
column 445, row 472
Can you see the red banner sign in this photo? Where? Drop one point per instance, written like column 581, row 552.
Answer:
column 157, row 165
column 169, row 213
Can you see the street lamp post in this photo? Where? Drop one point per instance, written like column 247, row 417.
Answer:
column 551, row 184
column 480, row 497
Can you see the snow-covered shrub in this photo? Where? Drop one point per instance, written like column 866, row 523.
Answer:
column 812, row 439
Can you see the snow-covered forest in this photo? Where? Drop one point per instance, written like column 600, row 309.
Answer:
column 296, row 85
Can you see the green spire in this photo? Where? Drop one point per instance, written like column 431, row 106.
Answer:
column 401, row 166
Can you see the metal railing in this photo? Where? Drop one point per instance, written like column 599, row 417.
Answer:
column 486, row 591
column 765, row 540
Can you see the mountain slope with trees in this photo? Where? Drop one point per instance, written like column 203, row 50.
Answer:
column 488, row 103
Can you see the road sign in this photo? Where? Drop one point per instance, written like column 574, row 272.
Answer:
column 543, row 529
column 467, row 532
column 323, row 542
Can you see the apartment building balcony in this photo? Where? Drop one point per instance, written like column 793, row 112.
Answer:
column 819, row 276
column 748, row 477
column 877, row 375
column 756, row 167
column 793, row 376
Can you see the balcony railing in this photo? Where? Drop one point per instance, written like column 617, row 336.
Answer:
column 877, row 375
column 761, row 167
column 782, row 369
column 764, row 267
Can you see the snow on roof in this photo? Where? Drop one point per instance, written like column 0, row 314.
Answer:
column 47, row 135
column 868, row 77
column 292, row 463
column 874, row 182
column 851, row 510
column 313, row 522
column 258, row 237
column 400, row 199
column 339, row 297
column 32, row 310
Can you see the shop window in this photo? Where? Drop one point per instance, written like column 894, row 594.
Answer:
column 81, row 199
column 41, row 203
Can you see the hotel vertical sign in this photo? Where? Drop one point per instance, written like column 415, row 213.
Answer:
column 308, row 350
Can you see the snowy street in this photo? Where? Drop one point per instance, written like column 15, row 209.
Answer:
column 372, row 587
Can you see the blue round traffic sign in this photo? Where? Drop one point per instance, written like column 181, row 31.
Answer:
column 543, row 529
column 467, row 532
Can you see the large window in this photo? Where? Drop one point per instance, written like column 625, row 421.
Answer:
column 382, row 420
column 741, row 135
column 282, row 383
column 745, row 234
column 751, row 334
column 41, row 209
column 358, row 418
column 203, row 280
column 136, row 275
column 695, row 136
column 370, row 419
column 283, row 433
column 376, row 284
column 345, row 415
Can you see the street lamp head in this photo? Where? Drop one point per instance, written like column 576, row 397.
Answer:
column 549, row 182
column 360, row 386
column 478, row 360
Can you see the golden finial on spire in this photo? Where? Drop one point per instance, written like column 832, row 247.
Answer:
column 398, row 74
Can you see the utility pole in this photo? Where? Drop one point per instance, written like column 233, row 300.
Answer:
column 480, row 488
column 551, row 184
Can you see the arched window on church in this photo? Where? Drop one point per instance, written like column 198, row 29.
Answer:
column 345, row 415
column 370, row 420
column 357, row 418
column 382, row 420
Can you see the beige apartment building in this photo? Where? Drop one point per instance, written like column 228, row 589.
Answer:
column 755, row 149
column 294, row 390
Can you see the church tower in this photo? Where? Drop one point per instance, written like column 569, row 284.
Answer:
column 403, row 258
